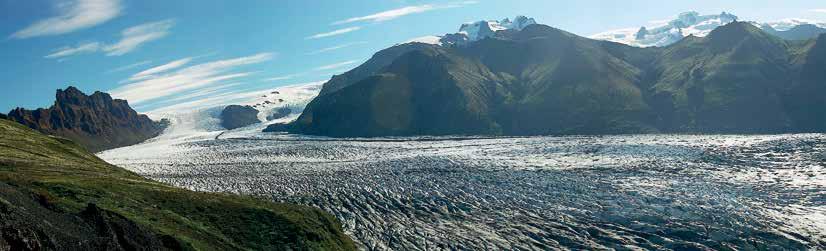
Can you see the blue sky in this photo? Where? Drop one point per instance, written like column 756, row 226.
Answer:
column 157, row 53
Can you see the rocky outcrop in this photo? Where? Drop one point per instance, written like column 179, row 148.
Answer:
column 30, row 222
column 280, row 113
column 96, row 122
column 3, row 116
column 236, row 116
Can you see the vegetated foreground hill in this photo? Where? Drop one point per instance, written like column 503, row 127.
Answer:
column 541, row 80
column 96, row 122
column 54, row 195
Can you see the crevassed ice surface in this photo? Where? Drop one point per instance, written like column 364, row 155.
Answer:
column 646, row 191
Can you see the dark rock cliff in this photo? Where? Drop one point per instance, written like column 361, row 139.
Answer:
column 97, row 122
column 236, row 116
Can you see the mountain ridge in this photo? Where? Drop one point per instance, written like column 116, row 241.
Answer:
column 692, row 23
column 543, row 80
column 97, row 121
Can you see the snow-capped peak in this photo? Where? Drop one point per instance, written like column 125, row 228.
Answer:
column 789, row 23
column 481, row 29
column 475, row 31
column 687, row 23
column 690, row 23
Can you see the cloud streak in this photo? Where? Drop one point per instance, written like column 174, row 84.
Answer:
column 76, row 50
column 279, row 78
column 334, row 33
column 165, row 82
column 132, row 38
column 332, row 48
column 404, row 11
column 819, row 10
column 72, row 16
column 336, row 65
column 214, row 98
column 160, row 69
column 131, row 66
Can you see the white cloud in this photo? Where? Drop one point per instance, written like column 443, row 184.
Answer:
column 80, row 49
column 72, row 16
column 235, row 97
column 186, row 79
column 134, row 37
column 335, row 32
column 404, row 11
column 131, row 66
column 131, row 39
column 332, row 48
column 336, row 65
column 160, row 69
column 819, row 10
column 285, row 77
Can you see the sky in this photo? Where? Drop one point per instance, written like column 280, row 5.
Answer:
column 161, row 53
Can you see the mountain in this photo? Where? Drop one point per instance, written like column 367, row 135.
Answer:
column 475, row 31
column 686, row 24
column 541, row 80
column 96, row 122
column 54, row 195
column 236, row 116
column 693, row 24
column 799, row 32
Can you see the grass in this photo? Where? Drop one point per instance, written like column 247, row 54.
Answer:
column 69, row 177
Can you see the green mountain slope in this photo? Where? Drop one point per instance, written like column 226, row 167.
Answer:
column 55, row 195
column 730, row 81
column 542, row 80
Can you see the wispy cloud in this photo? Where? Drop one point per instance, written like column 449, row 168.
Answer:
column 819, row 10
column 332, row 48
column 131, row 39
column 90, row 47
column 334, row 33
column 134, row 37
column 72, row 16
column 404, row 11
column 131, row 66
column 285, row 77
column 223, row 97
column 167, row 83
column 336, row 65
column 161, row 68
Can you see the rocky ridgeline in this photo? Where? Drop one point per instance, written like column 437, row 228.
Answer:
column 95, row 121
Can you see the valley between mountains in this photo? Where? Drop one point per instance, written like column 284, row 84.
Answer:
column 705, row 133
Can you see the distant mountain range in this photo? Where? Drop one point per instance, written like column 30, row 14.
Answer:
column 540, row 80
column 693, row 24
column 96, row 122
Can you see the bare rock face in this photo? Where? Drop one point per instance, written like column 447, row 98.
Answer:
column 280, row 113
column 236, row 116
column 96, row 122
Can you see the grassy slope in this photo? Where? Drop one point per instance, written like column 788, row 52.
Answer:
column 70, row 178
